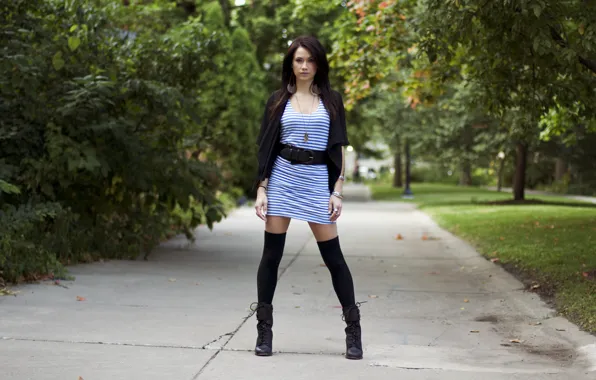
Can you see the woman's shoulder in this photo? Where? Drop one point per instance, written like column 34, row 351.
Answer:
column 274, row 96
column 337, row 95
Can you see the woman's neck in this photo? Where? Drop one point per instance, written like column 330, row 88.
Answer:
column 303, row 87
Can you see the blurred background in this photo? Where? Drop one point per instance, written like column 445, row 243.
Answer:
column 125, row 122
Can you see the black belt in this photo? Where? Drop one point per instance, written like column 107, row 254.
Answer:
column 303, row 156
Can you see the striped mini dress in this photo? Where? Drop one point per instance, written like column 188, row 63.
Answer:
column 301, row 191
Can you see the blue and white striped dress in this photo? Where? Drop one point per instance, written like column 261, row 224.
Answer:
column 301, row 191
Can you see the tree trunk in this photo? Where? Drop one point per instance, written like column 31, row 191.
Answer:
column 560, row 169
column 397, row 175
column 465, row 178
column 519, row 182
column 225, row 7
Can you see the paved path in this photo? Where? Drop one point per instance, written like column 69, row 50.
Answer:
column 435, row 310
column 537, row 192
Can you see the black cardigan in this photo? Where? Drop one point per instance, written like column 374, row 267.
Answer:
column 269, row 144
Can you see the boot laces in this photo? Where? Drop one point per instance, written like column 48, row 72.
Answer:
column 353, row 334
column 263, row 331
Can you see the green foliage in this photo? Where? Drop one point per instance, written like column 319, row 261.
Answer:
column 116, row 133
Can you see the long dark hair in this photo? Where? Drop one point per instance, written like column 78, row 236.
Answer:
column 321, row 79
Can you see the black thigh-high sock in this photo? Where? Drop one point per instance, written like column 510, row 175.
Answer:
column 340, row 273
column 273, row 249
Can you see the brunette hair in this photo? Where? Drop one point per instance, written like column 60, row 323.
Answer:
column 321, row 79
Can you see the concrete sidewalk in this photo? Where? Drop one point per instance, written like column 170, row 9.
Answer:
column 434, row 310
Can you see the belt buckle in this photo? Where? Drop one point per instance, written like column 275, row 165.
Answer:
column 311, row 156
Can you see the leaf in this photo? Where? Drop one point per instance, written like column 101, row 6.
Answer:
column 73, row 43
column 494, row 260
column 6, row 292
column 172, row 279
column 466, row 300
column 537, row 10
column 79, row 298
column 372, row 296
column 581, row 29
column 515, row 340
column 474, row 331
column 399, row 237
column 73, row 28
column 57, row 61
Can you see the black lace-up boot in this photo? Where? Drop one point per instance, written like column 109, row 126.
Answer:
column 264, row 346
column 351, row 315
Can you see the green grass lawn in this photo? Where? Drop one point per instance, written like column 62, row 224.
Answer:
column 551, row 244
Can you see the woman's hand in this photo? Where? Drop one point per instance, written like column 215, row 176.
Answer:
column 261, row 204
column 335, row 205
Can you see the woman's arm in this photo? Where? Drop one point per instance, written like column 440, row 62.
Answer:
column 340, row 183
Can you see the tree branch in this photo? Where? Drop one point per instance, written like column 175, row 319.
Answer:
column 589, row 64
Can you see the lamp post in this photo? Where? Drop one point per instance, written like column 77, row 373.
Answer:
column 407, row 191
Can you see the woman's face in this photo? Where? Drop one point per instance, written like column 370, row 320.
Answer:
column 304, row 65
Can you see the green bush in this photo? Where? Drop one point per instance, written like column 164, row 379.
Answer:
column 107, row 140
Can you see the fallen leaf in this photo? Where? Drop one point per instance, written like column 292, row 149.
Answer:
column 466, row 300
column 79, row 298
column 560, row 329
column 585, row 274
column 495, row 260
column 474, row 331
column 372, row 296
column 399, row 237
column 536, row 323
column 424, row 237
column 501, row 238
column 172, row 280
column 80, row 378
column 463, row 308
column 515, row 340
column 297, row 307
column 535, row 286
column 7, row 292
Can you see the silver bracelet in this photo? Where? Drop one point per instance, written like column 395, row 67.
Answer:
column 342, row 178
column 337, row 194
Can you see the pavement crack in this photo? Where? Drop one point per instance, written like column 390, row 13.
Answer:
column 231, row 335
column 205, row 346
column 100, row 343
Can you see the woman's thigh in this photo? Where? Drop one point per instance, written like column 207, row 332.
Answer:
column 277, row 224
column 323, row 232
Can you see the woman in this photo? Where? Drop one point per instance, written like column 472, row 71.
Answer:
column 301, row 166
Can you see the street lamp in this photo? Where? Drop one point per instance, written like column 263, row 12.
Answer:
column 407, row 191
